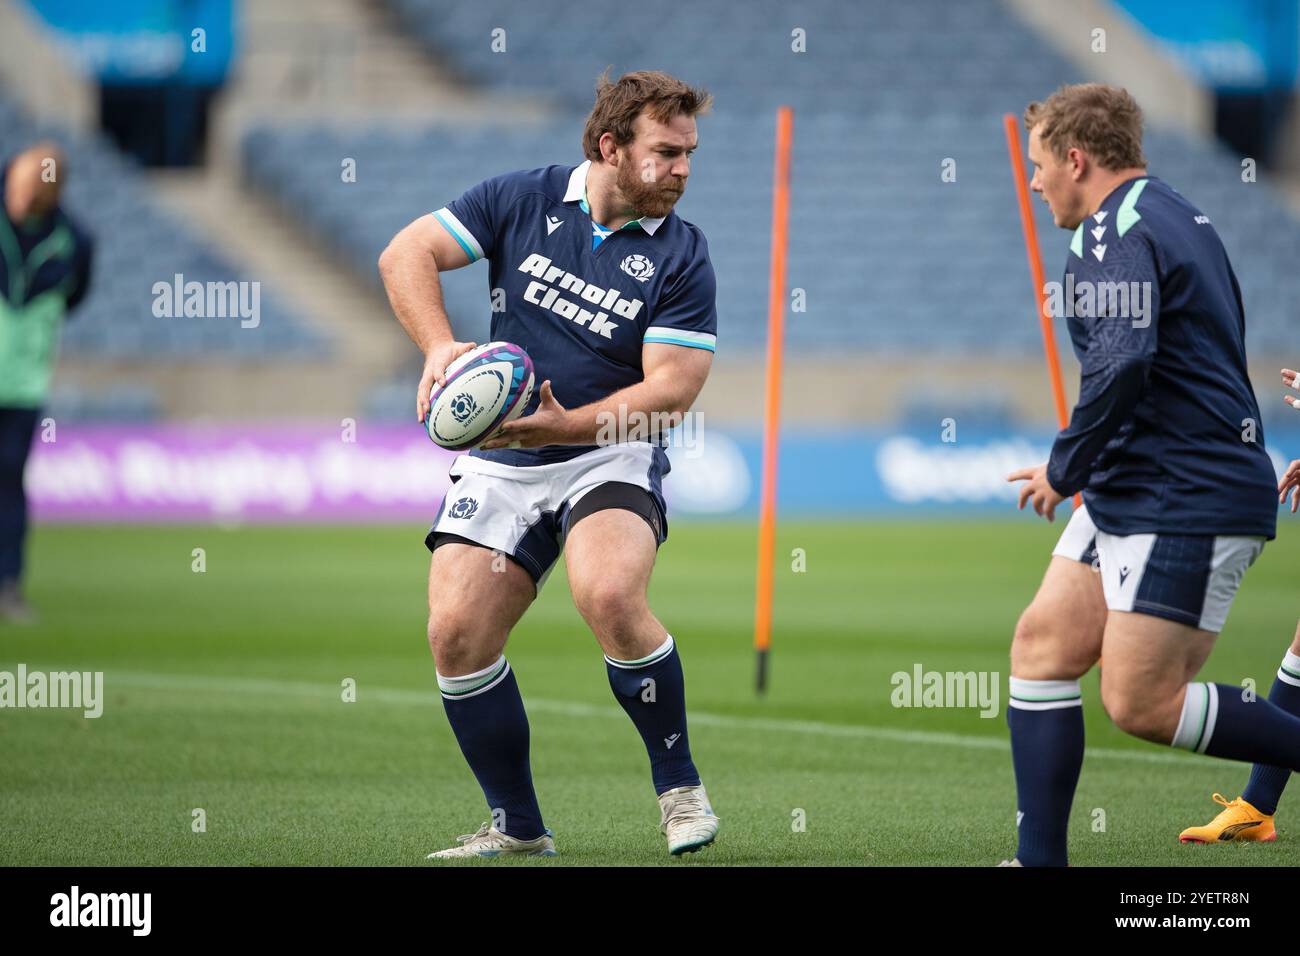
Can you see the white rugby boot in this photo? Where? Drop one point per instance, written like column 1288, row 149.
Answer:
column 490, row 842
column 12, row 606
column 688, row 819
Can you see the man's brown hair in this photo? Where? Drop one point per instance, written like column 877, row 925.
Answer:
column 619, row 103
column 1104, row 121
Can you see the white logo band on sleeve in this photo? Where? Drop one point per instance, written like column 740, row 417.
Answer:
column 669, row 336
column 463, row 236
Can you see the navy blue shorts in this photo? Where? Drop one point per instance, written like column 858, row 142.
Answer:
column 1188, row 578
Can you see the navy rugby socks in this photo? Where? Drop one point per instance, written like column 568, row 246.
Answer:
column 487, row 716
column 1267, row 783
column 1217, row 721
column 1046, row 721
column 653, row 692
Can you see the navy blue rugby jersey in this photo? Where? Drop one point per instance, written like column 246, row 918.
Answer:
column 581, row 299
column 1166, row 436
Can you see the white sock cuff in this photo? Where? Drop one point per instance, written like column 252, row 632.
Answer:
column 658, row 654
column 1044, row 694
column 469, row 685
column 1200, row 711
column 1289, row 672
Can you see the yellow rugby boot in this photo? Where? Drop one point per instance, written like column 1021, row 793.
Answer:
column 1237, row 821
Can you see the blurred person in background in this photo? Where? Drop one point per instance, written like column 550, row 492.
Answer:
column 44, row 271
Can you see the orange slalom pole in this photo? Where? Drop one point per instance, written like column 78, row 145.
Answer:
column 772, row 406
column 1010, row 124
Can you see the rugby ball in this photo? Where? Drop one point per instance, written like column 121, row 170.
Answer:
column 486, row 387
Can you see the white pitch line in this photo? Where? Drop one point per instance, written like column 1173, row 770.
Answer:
column 562, row 708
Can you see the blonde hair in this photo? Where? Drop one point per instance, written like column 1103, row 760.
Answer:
column 1104, row 121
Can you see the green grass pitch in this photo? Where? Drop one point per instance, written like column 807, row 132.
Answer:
column 223, row 692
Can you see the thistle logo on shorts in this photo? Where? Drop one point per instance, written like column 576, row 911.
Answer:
column 463, row 508
column 462, row 407
column 551, row 280
column 638, row 267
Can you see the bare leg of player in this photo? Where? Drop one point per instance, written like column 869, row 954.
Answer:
column 1146, row 657
column 610, row 555
column 1058, row 638
column 1149, row 662
column 475, row 597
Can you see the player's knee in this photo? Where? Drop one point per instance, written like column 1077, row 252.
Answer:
column 1138, row 714
column 608, row 607
column 450, row 639
column 1047, row 647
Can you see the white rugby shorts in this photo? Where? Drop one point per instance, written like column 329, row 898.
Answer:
column 524, row 511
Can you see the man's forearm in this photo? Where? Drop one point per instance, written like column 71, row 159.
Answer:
column 410, row 276
column 649, row 407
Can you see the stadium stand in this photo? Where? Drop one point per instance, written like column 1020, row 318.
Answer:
column 125, row 402
column 891, row 257
column 929, row 56
column 138, row 244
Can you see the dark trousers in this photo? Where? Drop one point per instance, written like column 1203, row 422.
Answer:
column 17, row 427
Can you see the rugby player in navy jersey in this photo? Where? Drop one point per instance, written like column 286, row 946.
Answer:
column 1249, row 817
column 613, row 297
column 1165, row 445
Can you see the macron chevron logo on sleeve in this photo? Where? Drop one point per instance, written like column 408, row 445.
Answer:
column 1125, row 218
